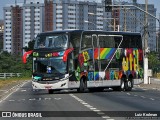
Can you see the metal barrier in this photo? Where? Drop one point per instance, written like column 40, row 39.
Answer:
column 8, row 75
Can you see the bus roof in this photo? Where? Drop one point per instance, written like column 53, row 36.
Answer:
column 92, row 31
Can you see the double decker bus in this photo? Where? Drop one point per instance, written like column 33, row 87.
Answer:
column 87, row 60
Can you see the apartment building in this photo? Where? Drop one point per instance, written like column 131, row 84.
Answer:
column 13, row 18
column 35, row 16
column 133, row 20
column 1, row 34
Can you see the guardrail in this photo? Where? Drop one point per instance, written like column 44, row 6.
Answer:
column 8, row 75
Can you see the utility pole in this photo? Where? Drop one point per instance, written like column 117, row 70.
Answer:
column 146, row 45
column 125, row 23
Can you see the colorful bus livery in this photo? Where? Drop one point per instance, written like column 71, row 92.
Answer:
column 130, row 63
column 94, row 60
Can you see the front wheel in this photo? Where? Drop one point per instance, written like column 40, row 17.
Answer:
column 83, row 85
column 50, row 91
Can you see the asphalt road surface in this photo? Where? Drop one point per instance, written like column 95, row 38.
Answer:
column 26, row 104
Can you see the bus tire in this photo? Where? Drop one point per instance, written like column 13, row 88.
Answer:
column 83, row 85
column 121, row 87
column 129, row 84
column 50, row 91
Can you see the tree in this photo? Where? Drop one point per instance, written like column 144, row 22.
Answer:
column 30, row 46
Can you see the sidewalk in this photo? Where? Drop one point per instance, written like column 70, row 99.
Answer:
column 154, row 84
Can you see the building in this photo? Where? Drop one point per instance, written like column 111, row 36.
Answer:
column 13, row 32
column 133, row 19
column 35, row 16
column 1, row 34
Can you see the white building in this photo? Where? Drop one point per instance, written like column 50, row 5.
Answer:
column 35, row 16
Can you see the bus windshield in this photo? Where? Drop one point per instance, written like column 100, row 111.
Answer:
column 50, row 65
column 51, row 41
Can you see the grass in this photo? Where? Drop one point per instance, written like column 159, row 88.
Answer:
column 12, row 81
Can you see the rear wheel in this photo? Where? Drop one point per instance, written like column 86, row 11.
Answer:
column 121, row 87
column 129, row 84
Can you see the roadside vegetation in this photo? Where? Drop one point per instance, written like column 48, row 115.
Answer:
column 13, row 64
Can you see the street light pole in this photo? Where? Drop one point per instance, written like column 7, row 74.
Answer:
column 146, row 45
column 114, row 20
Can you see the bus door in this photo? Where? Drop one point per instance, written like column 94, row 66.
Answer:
column 95, row 60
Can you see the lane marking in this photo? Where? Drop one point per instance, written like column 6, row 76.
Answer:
column 99, row 112
column 11, row 100
column 89, row 106
column 128, row 94
column 47, row 98
column 13, row 91
column 105, row 117
column 23, row 90
column 96, row 110
column 84, row 103
column 93, row 108
column 57, row 98
column 32, row 99
column 152, row 99
column 143, row 97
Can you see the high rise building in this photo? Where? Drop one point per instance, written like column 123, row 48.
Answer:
column 13, row 29
column 35, row 16
column 1, row 34
column 133, row 20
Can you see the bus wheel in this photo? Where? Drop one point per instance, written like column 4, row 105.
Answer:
column 83, row 85
column 121, row 87
column 50, row 91
column 129, row 84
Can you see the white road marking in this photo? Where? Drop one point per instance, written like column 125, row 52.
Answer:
column 143, row 97
column 32, row 99
column 99, row 112
column 18, row 87
column 47, row 98
column 57, row 98
column 152, row 99
column 84, row 103
column 135, row 95
column 128, row 94
column 11, row 100
column 89, row 106
column 105, row 117
column 40, row 99
column 23, row 90
column 93, row 108
column 96, row 110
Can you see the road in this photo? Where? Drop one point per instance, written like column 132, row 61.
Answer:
column 70, row 105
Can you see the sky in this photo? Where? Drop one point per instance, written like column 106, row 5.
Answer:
column 4, row 2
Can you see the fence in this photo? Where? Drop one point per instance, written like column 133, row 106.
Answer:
column 8, row 75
